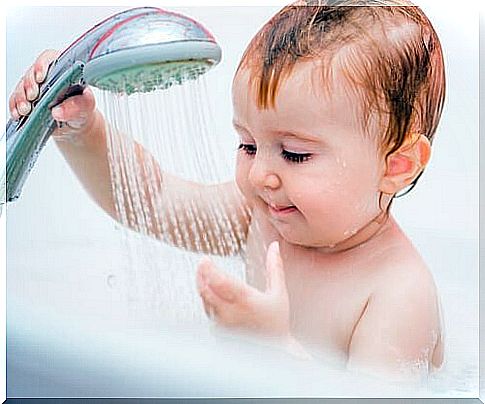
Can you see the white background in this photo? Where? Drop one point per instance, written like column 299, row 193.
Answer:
column 443, row 207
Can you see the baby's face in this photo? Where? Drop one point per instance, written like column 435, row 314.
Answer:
column 307, row 164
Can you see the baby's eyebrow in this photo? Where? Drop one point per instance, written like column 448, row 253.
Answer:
column 284, row 133
column 299, row 136
column 303, row 137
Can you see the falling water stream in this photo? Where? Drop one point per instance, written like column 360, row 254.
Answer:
column 158, row 197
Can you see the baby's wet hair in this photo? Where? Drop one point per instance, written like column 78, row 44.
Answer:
column 388, row 51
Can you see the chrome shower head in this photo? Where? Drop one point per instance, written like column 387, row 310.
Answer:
column 151, row 51
column 138, row 50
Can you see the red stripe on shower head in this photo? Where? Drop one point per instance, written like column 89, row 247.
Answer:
column 110, row 32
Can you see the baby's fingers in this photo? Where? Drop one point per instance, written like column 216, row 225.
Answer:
column 213, row 304
column 42, row 63
column 75, row 109
column 18, row 102
column 231, row 290
column 37, row 73
column 27, row 89
column 12, row 106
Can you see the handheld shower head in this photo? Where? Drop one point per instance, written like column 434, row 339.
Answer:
column 138, row 50
column 168, row 49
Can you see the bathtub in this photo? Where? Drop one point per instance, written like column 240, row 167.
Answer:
column 73, row 331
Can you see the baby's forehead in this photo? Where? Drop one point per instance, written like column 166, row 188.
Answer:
column 311, row 81
column 332, row 76
column 303, row 99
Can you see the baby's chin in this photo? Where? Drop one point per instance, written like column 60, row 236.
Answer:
column 295, row 231
column 292, row 237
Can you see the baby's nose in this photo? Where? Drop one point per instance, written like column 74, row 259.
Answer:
column 263, row 176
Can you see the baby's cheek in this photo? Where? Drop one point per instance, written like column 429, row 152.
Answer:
column 318, row 199
column 340, row 207
column 358, row 207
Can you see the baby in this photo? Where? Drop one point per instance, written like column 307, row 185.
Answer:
column 336, row 107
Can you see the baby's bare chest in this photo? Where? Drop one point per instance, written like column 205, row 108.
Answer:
column 326, row 301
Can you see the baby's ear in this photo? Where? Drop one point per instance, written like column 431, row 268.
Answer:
column 405, row 164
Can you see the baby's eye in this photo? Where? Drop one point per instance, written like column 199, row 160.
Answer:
column 295, row 157
column 249, row 149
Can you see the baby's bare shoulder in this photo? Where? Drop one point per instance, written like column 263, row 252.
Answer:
column 403, row 268
column 402, row 276
column 401, row 322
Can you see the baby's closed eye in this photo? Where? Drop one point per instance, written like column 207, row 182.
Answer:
column 295, row 157
column 251, row 149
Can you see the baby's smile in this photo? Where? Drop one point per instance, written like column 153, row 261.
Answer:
column 277, row 209
column 281, row 211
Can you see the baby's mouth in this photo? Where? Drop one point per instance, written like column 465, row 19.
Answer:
column 279, row 210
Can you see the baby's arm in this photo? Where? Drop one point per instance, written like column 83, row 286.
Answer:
column 399, row 330
column 212, row 219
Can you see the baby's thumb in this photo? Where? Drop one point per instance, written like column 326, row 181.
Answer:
column 274, row 269
column 76, row 112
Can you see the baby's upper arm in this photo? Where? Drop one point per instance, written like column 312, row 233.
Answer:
column 400, row 325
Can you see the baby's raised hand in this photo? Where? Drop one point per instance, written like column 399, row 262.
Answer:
column 236, row 305
column 74, row 115
column 27, row 89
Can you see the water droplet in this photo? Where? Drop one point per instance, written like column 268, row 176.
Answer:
column 111, row 281
column 349, row 233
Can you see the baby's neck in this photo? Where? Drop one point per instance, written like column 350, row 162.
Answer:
column 368, row 235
